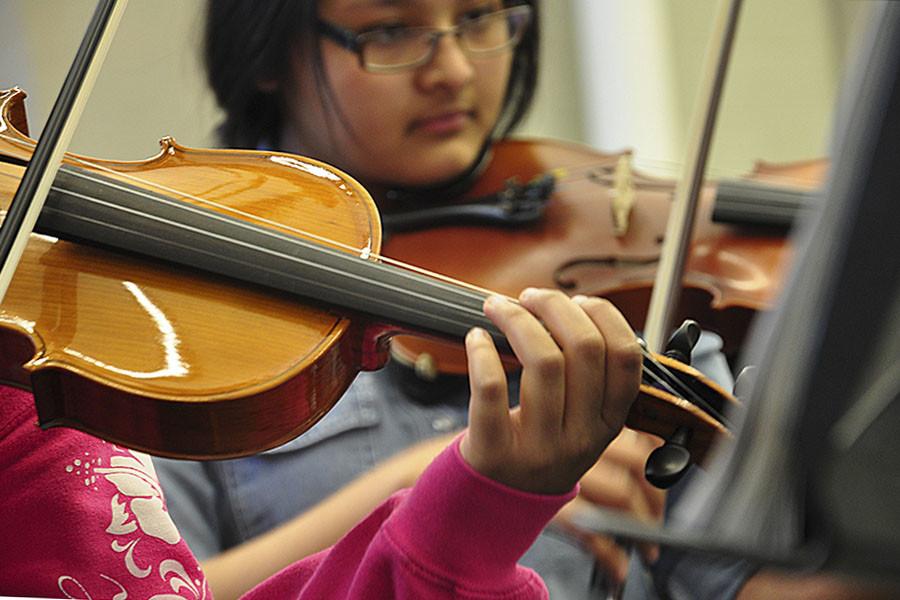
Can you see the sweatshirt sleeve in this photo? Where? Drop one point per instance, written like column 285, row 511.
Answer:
column 456, row 534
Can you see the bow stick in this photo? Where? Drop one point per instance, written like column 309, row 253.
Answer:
column 664, row 298
column 29, row 199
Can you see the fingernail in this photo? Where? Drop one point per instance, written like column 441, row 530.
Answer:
column 579, row 299
column 476, row 333
column 495, row 300
column 527, row 293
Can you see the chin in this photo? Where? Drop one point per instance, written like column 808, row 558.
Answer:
column 433, row 164
column 450, row 164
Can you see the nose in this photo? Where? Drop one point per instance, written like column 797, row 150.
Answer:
column 449, row 66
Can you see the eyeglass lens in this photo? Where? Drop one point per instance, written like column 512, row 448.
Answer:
column 408, row 46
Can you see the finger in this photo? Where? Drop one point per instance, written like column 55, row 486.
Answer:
column 612, row 486
column 542, row 384
column 617, row 481
column 624, row 496
column 623, row 359
column 610, row 556
column 629, row 450
column 584, row 352
column 489, row 424
column 649, row 552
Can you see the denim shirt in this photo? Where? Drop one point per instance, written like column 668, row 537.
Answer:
column 219, row 504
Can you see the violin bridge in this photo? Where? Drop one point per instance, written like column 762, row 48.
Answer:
column 622, row 195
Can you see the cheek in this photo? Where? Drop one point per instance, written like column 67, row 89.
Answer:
column 375, row 109
column 492, row 78
column 372, row 108
column 367, row 137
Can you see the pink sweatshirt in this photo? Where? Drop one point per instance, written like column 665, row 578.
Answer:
column 84, row 518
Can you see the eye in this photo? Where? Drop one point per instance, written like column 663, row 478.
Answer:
column 387, row 34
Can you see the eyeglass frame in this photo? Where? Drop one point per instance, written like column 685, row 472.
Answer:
column 350, row 40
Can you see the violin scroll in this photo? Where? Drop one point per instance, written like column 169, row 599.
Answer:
column 668, row 382
column 670, row 462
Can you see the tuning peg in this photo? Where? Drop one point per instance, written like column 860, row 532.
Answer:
column 682, row 341
column 667, row 464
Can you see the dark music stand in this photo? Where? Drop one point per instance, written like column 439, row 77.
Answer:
column 813, row 480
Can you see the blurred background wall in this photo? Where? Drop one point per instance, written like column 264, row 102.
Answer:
column 616, row 74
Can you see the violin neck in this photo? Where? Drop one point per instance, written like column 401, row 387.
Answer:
column 136, row 220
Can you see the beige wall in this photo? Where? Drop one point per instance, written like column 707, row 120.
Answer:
column 616, row 73
column 150, row 84
column 642, row 61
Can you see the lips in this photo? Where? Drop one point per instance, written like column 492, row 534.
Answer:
column 443, row 123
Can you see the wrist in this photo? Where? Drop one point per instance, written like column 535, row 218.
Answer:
column 485, row 526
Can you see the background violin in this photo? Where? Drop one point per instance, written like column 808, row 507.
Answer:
column 599, row 233
column 257, row 330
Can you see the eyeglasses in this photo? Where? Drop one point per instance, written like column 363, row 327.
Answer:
column 394, row 49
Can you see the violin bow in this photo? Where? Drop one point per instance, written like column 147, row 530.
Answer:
column 667, row 286
column 29, row 199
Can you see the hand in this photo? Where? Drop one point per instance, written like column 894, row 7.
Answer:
column 617, row 482
column 580, row 373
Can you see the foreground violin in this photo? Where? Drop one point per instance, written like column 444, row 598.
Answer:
column 212, row 304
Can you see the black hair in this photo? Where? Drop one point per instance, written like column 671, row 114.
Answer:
column 248, row 42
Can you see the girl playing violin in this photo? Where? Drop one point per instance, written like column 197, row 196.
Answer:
column 401, row 95
column 404, row 94
column 85, row 518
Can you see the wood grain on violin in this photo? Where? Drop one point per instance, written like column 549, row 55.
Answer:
column 254, row 332
column 113, row 337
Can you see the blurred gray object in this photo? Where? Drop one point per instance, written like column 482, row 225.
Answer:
column 813, row 480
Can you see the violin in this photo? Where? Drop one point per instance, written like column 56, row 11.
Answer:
column 598, row 231
column 216, row 303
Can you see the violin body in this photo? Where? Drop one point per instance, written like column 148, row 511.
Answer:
column 730, row 273
column 170, row 360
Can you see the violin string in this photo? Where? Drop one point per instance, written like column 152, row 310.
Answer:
column 432, row 298
column 364, row 253
column 425, row 298
column 420, row 295
column 654, row 379
column 662, row 383
column 679, row 388
column 472, row 312
column 464, row 291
